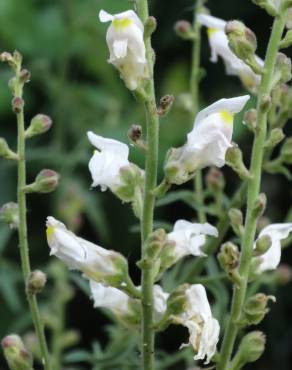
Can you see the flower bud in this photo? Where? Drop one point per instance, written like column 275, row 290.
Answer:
column 236, row 220
column 286, row 151
column 263, row 244
column 38, row 125
column 283, row 67
column 287, row 40
column 135, row 133
column 165, row 105
column 228, row 256
column 24, row 76
column 267, row 5
column 150, row 26
column 233, row 159
column 9, row 214
column 35, row 282
column 6, row 57
column 5, row 151
column 260, row 205
column 177, row 301
column 251, row 347
column 215, row 180
column 250, row 119
column 16, row 355
column 242, row 41
column 184, row 30
column 284, row 274
column 45, row 182
column 155, row 243
column 17, row 104
column 276, row 136
column 256, row 308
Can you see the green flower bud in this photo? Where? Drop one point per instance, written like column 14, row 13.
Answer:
column 16, row 355
column 287, row 40
column 38, row 125
column 228, row 257
column 165, row 105
column 250, row 119
column 5, row 151
column 150, row 26
column 276, row 136
column 177, row 301
column 263, row 244
column 233, row 159
column 45, row 182
column 24, row 76
column 236, row 220
column 251, row 348
column 131, row 178
column 268, row 5
column 286, row 151
column 283, row 67
column 256, row 308
column 35, row 282
column 184, row 30
column 260, row 205
column 9, row 214
column 215, row 180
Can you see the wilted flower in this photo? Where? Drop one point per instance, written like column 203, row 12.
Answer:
column 219, row 47
column 94, row 261
column 126, row 45
column 207, row 143
column 197, row 317
column 271, row 259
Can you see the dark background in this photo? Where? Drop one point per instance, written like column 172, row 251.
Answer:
column 63, row 45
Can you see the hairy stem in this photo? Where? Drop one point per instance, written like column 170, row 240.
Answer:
column 22, row 229
column 252, row 192
column 149, row 200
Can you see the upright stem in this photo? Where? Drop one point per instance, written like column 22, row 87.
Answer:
column 253, row 192
column 22, row 229
column 194, row 89
column 149, row 200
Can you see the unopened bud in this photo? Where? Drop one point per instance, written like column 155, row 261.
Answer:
column 283, row 67
column 177, row 300
column 287, row 40
column 38, row 125
column 266, row 103
column 260, row 205
column 251, row 347
column 16, row 354
column 6, row 57
column 45, row 182
column 267, row 5
column 276, row 136
column 184, row 30
column 24, row 76
column 233, row 159
column 5, row 151
column 236, row 220
column 228, row 256
column 35, row 282
column 215, row 180
column 135, row 133
column 155, row 243
column 256, row 308
column 9, row 214
column 150, row 26
column 250, row 119
column 263, row 244
column 17, row 104
column 286, row 151
column 165, row 105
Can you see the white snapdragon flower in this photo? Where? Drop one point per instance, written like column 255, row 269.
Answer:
column 271, row 259
column 189, row 238
column 94, row 261
column 107, row 161
column 160, row 301
column 126, row 45
column 203, row 328
column 207, row 143
column 219, row 47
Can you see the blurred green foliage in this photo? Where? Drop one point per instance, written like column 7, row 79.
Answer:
column 64, row 47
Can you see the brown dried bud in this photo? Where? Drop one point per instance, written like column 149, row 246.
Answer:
column 135, row 133
column 165, row 105
column 184, row 30
column 17, row 104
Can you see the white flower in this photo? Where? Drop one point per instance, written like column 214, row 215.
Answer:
column 94, row 261
column 111, row 298
column 126, row 45
column 160, row 301
column 189, row 238
column 271, row 259
column 203, row 328
column 219, row 47
column 106, row 162
column 208, row 142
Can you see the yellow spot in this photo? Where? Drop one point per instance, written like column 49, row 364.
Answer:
column 227, row 117
column 211, row 31
column 122, row 23
column 50, row 231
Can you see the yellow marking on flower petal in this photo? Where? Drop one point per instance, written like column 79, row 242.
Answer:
column 227, row 117
column 211, row 31
column 50, row 231
column 122, row 23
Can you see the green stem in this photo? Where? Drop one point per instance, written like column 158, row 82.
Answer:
column 22, row 229
column 252, row 193
column 149, row 200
